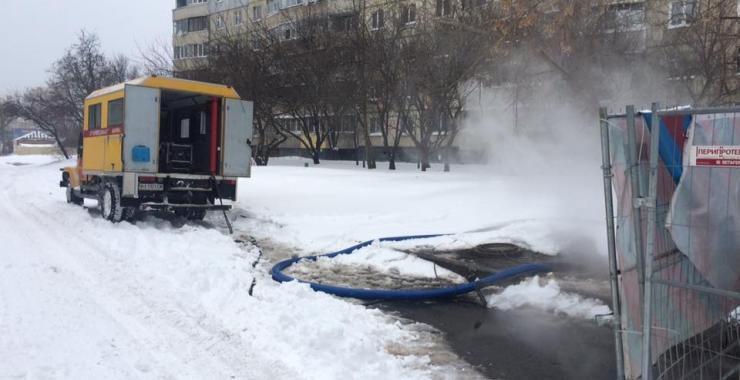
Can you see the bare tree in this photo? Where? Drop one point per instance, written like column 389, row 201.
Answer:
column 313, row 68
column 57, row 108
column 6, row 117
column 42, row 106
column 439, row 61
column 84, row 69
column 240, row 61
column 700, row 49
column 157, row 59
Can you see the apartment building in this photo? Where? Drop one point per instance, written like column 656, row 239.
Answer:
column 651, row 25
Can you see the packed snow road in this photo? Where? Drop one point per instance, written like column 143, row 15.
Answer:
column 83, row 298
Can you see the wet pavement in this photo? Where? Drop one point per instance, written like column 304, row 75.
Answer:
column 517, row 344
column 523, row 343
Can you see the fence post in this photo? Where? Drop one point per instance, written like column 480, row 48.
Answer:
column 613, row 266
column 633, row 163
column 651, row 204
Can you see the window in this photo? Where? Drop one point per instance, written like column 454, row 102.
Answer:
column 291, row 3
column 284, row 32
column 344, row 23
column 406, row 124
column 191, row 51
column 377, row 19
column 444, row 8
column 238, row 17
column 349, row 124
column 115, row 113
column 180, row 27
column 257, row 13
column 375, row 127
column 193, row 24
column 290, row 125
column 408, row 14
column 220, row 22
column 441, row 126
column 627, row 16
column 273, row 6
column 93, row 117
column 185, row 128
column 198, row 1
column 682, row 12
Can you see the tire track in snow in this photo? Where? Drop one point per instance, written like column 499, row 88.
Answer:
column 208, row 346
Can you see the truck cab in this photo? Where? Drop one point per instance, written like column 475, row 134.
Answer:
column 161, row 143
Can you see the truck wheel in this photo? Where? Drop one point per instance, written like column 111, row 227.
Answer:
column 109, row 201
column 72, row 197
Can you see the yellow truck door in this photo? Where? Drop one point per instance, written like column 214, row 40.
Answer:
column 94, row 138
column 114, row 135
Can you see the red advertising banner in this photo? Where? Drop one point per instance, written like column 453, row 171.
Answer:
column 715, row 155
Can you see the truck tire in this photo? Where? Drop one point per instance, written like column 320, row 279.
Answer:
column 109, row 202
column 72, row 197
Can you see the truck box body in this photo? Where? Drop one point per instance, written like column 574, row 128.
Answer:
column 171, row 120
column 163, row 143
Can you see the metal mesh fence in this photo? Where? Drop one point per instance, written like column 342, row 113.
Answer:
column 675, row 242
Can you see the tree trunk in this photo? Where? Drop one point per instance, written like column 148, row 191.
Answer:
column 315, row 156
column 369, row 157
column 424, row 158
column 392, row 159
column 61, row 146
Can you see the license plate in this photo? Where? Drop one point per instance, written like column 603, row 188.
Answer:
column 151, row 186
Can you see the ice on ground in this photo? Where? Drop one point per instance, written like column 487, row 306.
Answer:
column 545, row 294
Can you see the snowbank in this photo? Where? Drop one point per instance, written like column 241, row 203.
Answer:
column 545, row 294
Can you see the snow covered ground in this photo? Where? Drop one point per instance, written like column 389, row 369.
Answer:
column 83, row 298
column 323, row 208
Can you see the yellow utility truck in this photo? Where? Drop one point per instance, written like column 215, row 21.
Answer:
column 161, row 143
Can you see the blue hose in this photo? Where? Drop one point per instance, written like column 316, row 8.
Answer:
column 402, row 294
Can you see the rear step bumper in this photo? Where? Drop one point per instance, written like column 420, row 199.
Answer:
column 159, row 205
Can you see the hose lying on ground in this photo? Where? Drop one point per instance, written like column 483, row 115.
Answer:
column 402, row 294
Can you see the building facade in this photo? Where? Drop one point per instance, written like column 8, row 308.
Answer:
column 651, row 27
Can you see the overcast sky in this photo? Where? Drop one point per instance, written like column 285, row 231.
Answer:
column 34, row 33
